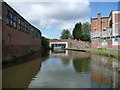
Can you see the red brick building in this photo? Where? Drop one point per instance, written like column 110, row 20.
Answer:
column 105, row 31
column 18, row 35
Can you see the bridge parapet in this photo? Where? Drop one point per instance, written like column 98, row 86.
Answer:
column 69, row 43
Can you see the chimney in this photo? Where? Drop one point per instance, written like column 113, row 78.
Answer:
column 99, row 22
column 99, row 15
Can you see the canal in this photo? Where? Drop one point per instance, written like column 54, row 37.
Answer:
column 63, row 69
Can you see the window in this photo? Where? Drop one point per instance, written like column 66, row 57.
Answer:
column 104, row 29
column 39, row 34
column 9, row 37
column 116, row 39
column 14, row 21
column 94, row 29
column 36, row 33
column 32, row 32
column 104, row 40
column 28, row 28
column 110, row 23
column 8, row 17
column 11, row 19
column 21, row 25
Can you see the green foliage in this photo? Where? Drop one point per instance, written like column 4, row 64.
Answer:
column 102, row 48
column 45, row 43
column 55, row 39
column 82, row 31
column 86, row 31
column 77, row 31
column 65, row 34
column 106, row 52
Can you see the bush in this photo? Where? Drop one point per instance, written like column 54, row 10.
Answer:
column 45, row 43
column 102, row 48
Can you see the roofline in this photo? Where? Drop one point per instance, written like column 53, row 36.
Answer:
column 94, row 18
column 106, row 17
column 101, row 18
column 112, row 11
column 20, row 15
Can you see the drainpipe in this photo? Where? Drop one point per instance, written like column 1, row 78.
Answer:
column 100, row 28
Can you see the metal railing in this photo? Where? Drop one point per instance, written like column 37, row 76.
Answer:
column 103, row 34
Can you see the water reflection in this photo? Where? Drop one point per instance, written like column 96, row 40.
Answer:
column 20, row 74
column 103, row 73
column 82, row 64
column 65, row 61
column 60, row 70
column 77, row 70
column 58, row 52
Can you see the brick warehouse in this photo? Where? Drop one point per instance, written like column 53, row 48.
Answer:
column 18, row 35
column 105, row 31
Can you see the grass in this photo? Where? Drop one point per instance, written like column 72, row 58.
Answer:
column 106, row 52
column 100, row 51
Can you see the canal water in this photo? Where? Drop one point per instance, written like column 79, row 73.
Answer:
column 63, row 69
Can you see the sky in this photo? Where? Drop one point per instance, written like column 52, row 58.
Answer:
column 52, row 17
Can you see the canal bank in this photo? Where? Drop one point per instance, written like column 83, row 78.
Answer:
column 99, row 51
column 14, row 58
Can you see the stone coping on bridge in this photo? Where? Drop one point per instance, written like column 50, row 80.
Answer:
column 68, row 40
column 72, row 42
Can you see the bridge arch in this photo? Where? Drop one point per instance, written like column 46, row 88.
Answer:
column 55, row 44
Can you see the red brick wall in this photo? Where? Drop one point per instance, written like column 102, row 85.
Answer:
column 117, row 17
column 99, row 22
column 105, row 23
column 94, row 45
column 109, row 43
column 94, row 25
column 97, row 25
column 20, row 42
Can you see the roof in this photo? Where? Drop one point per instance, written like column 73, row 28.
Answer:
column 106, row 17
column 21, row 16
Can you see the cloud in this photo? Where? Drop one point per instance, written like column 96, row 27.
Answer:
column 50, row 14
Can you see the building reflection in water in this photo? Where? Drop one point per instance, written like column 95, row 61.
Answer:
column 103, row 74
column 99, row 71
column 20, row 75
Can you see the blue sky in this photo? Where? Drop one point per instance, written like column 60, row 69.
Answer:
column 103, row 7
column 52, row 17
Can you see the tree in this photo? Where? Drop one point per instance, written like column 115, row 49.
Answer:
column 77, row 31
column 82, row 31
column 45, row 43
column 86, row 27
column 65, row 34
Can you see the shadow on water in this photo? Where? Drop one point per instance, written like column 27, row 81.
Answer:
column 20, row 73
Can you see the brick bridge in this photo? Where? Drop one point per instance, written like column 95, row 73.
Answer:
column 67, row 43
